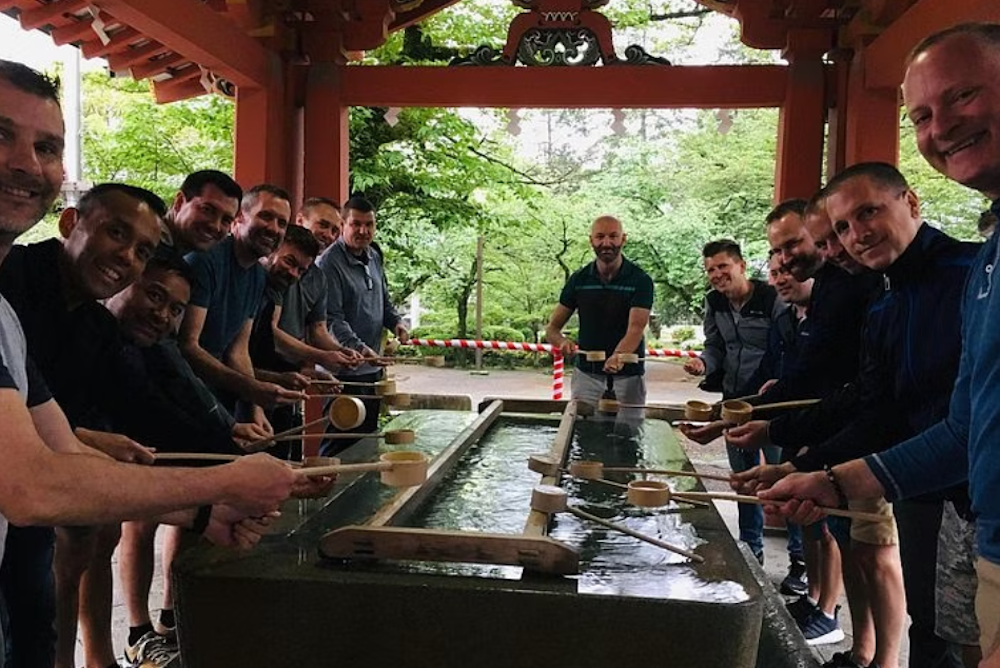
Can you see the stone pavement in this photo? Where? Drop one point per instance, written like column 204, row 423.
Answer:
column 666, row 382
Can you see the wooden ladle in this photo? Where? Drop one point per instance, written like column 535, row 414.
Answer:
column 551, row 499
column 391, row 436
column 654, row 493
column 402, row 468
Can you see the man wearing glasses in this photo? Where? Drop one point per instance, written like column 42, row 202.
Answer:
column 358, row 305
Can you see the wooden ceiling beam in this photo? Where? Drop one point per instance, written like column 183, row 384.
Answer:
column 43, row 15
column 185, row 91
column 885, row 55
column 119, row 62
column 566, row 87
column 152, row 67
column 120, row 40
column 199, row 33
column 78, row 31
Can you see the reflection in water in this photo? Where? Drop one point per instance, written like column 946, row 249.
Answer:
column 491, row 490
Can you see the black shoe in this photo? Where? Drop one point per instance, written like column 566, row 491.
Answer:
column 844, row 660
column 795, row 583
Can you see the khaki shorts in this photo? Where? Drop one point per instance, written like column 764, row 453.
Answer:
column 988, row 605
column 874, row 533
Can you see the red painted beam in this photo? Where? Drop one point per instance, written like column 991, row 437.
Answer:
column 74, row 32
column 151, row 67
column 566, row 87
column 120, row 40
column 119, row 62
column 885, row 56
column 39, row 17
column 197, row 32
column 185, row 91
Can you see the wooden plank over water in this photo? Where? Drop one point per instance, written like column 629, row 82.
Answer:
column 537, row 523
column 539, row 553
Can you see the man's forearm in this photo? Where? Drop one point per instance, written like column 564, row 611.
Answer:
column 296, row 351
column 215, row 373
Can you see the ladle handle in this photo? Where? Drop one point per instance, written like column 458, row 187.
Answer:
column 288, row 432
column 690, row 474
column 330, row 435
column 194, row 456
column 635, row 534
column 333, row 469
column 798, row 403
column 742, row 498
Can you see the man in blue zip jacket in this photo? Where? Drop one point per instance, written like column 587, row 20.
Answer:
column 952, row 95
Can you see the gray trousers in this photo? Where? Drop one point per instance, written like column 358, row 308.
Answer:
column 587, row 388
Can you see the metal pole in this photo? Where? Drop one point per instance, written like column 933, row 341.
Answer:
column 72, row 161
column 479, row 301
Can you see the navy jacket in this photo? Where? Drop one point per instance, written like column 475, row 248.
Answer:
column 912, row 346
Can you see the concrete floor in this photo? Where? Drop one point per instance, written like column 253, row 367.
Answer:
column 666, row 382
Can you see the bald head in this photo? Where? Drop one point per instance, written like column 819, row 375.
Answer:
column 607, row 238
column 952, row 96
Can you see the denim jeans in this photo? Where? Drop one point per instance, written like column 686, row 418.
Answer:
column 751, row 517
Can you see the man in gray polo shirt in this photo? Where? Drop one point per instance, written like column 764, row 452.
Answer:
column 358, row 307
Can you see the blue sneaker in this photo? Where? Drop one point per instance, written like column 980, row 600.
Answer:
column 801, row 609
column 818, row 629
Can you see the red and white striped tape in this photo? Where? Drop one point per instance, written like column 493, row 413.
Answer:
column 557, row 357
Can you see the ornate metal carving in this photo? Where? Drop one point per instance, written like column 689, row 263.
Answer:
column 636, row 55
column 559, row 47
column 484, row 55
column 559, row 33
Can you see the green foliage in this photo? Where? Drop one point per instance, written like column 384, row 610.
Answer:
column 128, row 137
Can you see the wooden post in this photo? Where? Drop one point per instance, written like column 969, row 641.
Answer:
column 799, row 160
column 326, row 135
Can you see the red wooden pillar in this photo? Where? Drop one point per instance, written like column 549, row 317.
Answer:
column 799, row 162
column 870, row 118
column 263, row 132
column 326, row 135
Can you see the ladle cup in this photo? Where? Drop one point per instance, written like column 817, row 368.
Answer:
column 402, row 468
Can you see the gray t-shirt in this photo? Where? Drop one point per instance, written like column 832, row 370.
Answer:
column 303, row 304
column 13, row 371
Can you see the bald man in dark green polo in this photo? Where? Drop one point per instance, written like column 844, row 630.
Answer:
column 613, row 297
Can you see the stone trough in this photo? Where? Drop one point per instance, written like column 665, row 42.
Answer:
column 460, row 571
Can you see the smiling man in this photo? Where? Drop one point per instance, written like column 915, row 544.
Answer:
column 202, row 211
column 225, row 297
column 358, row 305
column 911, row 354
column 46, row 477
column 613, row 297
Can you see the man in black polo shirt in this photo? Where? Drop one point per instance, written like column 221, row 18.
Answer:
column 613, row 297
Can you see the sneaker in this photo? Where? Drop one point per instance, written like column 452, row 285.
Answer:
column 818, row 629
column 151, row 651
column 795, row 583
column 801, row 609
